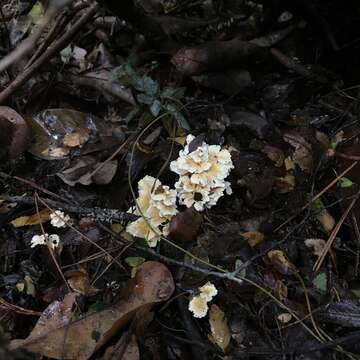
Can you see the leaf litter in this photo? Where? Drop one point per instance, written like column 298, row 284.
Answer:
column 251, row 148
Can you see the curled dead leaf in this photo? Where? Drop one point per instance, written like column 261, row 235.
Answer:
column 68, row 337
column 80, row 171
column 14, row 133
column 79, row 281
column 275, row 154
column 280, row 262
column 302, row 151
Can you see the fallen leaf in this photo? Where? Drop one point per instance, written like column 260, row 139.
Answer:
column 275, row 154
column 345, row 182
column 302, row 155
column 320, row 282
column 80, row 169
column 253, row 237
column 220, row 331
column 62, row 336
column 134, row 263
column 79, row 281
column 326, row 220
column 131, row 352
column 76, row 138
column 14, row 133
column 51, row 127
column 55, row 316
column 280, row 262
column 35, row 219
column 285, row 184
column 289, row 164
column 36, row 12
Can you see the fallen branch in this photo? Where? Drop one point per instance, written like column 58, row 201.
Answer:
column 96, row 213
column 333, row 234
column 29, row 44
column 48, row 54
column 215, row 55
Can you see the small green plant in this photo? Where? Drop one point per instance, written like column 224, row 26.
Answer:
column 148, row 93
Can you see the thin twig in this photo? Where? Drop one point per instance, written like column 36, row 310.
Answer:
column 324, row 190
column 333, row 234
column 48, row 54
column 97, row 213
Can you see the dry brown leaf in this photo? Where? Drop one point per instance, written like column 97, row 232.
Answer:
column 79, row 281
column 57, row 315
column 285, row 184
column 275, row 154
column 35, row 219
column 14, row 133
column 76, row 138
column 253, row 237
column 280, row 262
column 303, row 151
column 289, row 164
column 80, row 169
column 78, row 339
column 220, row 331
column 131, row 352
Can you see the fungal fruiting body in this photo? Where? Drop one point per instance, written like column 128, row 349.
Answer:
column 156, row 204
column 198, row 304
column 202, row 174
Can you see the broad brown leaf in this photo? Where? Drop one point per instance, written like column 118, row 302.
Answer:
column 80, row 338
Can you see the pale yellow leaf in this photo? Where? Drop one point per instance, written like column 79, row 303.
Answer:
column 220, row 331
column 35, row 219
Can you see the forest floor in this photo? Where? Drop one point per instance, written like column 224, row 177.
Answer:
column 179, row 179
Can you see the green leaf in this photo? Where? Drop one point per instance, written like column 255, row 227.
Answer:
column 182, row 122
column 134, row 261
column 145, row 99
column 345, row 182
column 338, row 138
column 318, row 205
column 36, row 13
column 156, row 107
column 171, row 92
column 146, row 85
column 356, row 292
column 128, row 69
column 66, row 52
column 320, row 282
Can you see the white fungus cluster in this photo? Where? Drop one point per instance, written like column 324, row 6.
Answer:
column 156, row 205
column 198, row 305
column 202, row 174
column 52, row 240
column 59, row 219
